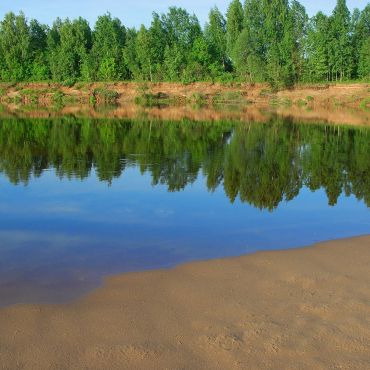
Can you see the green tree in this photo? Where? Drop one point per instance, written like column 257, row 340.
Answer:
column 199, row 61
column 215, row 34
column 341, row 47
column 69, row 44
column 144, row 53
column 107, row 51
column 299, row 52
column 130, row 57
column 180, row 27
column 317, row 68
column 181, row 30
column 362, row 43
column 265, row 41
column 40, row 70
column 234, row 25
column 15, row 47
column 280, row 42
column 174, row 62
column 158, row 43
column 249, row 54
column 249, row 63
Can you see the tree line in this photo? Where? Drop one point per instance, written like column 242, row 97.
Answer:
column 271, row 41
column 261, row 164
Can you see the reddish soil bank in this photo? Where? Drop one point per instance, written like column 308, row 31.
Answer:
column 338, row 104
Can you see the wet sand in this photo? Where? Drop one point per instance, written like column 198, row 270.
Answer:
column 298, row 309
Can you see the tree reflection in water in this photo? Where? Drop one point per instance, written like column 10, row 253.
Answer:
column 263, row 164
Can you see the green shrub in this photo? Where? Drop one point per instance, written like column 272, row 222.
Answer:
column 301, row 102
column 228, row 97
column 105, row 95
column 365, row 103
column 266, row 92
column 92, row 99
column 68, row 82
column 198, row 98
column 58, row 97
column 79, row 85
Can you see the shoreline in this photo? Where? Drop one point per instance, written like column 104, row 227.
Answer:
column 336, row 104
column 298, row 308
column 339, row 116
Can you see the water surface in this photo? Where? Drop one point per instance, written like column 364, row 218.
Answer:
column 81, row 198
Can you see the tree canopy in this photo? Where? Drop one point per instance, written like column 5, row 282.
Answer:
column 258, row 41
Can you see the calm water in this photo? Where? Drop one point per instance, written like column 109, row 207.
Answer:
column 81, row 199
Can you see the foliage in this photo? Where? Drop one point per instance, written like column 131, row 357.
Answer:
column 105, row 95
column 259, row 41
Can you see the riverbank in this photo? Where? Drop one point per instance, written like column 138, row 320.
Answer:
column 339, row 116
column 201, row 93
column 305, row 308
column 330, row 104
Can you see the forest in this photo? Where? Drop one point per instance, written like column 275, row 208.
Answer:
column 261, row 164
column 273, row 41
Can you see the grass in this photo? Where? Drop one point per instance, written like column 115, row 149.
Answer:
column 301, row 103
column 330, row 83
column 17, row 99
column 198, row 99
column 69, row 82
column 266, row 92
column 57, row 98
column 80, row 85
column 159, row 99
column 365, row 104
column 283, row 102
column 229, row 97
column 104, row 95
column 29, row 96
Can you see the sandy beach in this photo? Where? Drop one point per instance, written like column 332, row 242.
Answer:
column 299, row 309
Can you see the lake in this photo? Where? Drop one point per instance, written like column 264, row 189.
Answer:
column 82, row 198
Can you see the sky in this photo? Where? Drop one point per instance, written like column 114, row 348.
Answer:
column 135, row 13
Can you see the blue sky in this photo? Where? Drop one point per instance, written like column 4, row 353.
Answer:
column 133, row 13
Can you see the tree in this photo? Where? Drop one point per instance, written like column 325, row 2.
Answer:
column 158, row 43
column 249, row 64
column 215, row 34
column 107, row 51
column 317, row 68
column 362, row 43
column 130, row 58
column 181, row 30
column 174, row 62
column 341, row 47
column 364, row 59
column 39, row 69
column 249, row 55
column 234, row 25
column 263, row 41
column 144, row 53
column 180, row 27
column 69, row 44
column 15, row 47
column 280, row 42
column 299, row 53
